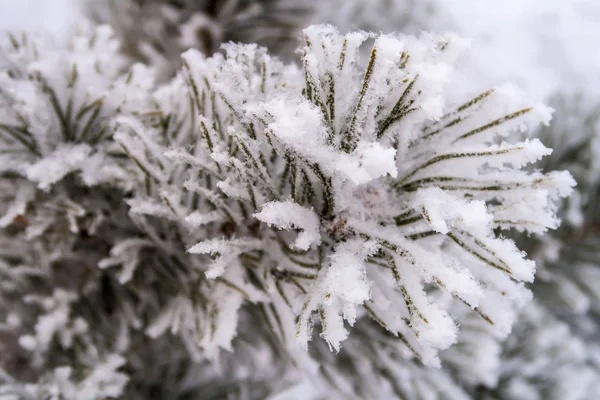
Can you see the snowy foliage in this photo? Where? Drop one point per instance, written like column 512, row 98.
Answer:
column 210, row 225
column 61, row 185
column 360, row 156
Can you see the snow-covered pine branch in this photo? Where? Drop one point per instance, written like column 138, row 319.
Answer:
column 251, row 199
column 62, row 182
column 73, row 325
column 57, row 105
column 408, row 193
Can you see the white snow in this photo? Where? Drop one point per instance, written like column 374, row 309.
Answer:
column 289, row 215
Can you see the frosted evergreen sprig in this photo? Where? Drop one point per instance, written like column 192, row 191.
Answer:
column 246, row 193
column 62, row 207
column 331, row 191
column 72, row 327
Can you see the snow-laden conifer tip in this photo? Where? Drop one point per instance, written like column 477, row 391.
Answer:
column 349, row 193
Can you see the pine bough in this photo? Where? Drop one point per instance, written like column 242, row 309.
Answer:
column 340, row 196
